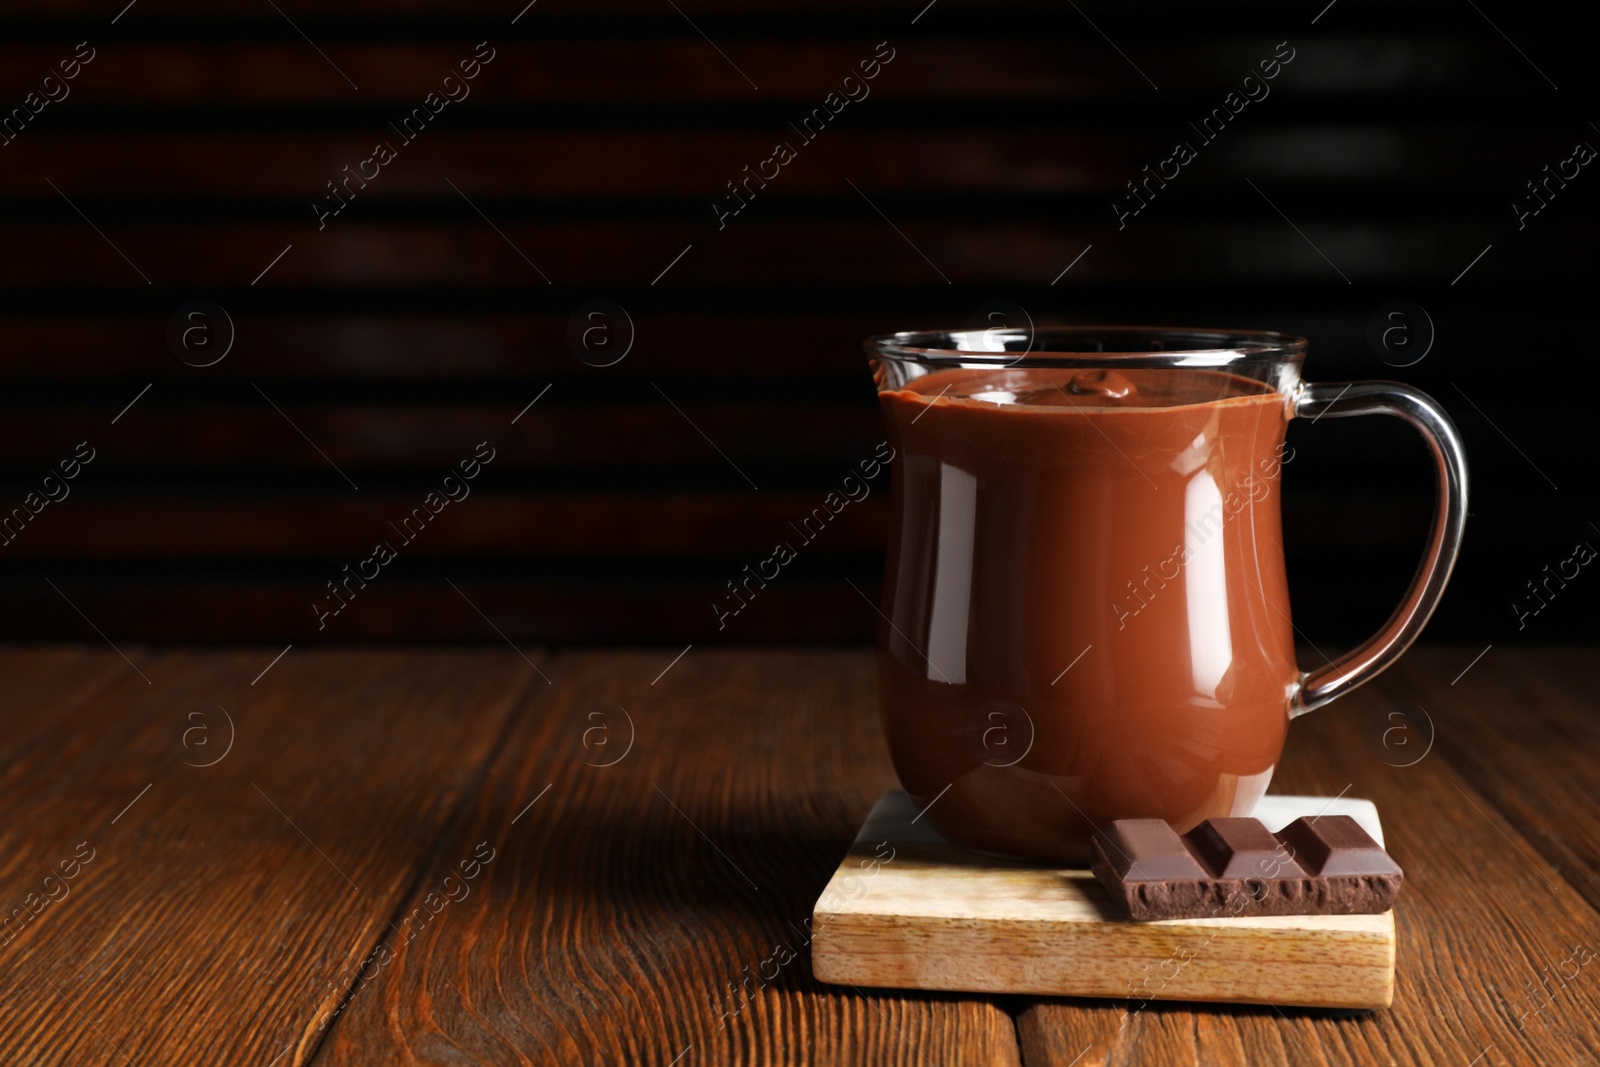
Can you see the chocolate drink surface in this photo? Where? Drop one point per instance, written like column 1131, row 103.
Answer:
column 1088, row 617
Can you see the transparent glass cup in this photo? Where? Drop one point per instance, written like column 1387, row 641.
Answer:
column 1085, row 608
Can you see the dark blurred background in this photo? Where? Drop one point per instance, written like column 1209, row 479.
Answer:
column 581, row 163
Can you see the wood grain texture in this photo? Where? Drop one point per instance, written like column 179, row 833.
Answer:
column 1486, row 923
column 1527, row 712
column 222, row 908
column 615, row 908
column 624, row 903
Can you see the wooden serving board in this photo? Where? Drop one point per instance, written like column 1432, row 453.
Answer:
column 908, row 910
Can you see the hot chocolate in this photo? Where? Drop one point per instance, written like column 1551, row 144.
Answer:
column 1088, row 614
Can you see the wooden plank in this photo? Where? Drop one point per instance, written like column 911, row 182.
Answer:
column 1483, row 923
column 45, row 687
column 624, row 902
column 218, row 910
column 1530, row 710
column 1470, row 964
column 1162, row 1034
column 908, row 910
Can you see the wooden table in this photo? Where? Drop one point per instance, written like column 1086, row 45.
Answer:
column 465, row 856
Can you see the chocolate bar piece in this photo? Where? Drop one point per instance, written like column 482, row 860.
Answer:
column 1223, row 868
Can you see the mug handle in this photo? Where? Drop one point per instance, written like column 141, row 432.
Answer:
column 1340, row 399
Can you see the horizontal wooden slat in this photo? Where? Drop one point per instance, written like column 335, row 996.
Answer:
column 481, row 525
column 645, row 431
column 864, row 252
column 537, row 71
column 733, row 346
column 502, row 11
column 1242, row 15
column 536, row 163
column 1021, row 68
column 395, row 609
column 651, row 434
column 461, row 348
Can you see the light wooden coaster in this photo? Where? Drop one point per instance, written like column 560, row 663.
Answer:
column 908, row 910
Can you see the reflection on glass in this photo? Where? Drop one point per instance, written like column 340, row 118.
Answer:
column 952, row 587
column 1206, row 584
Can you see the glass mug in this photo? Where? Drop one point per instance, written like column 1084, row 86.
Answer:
column 1085, row 610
